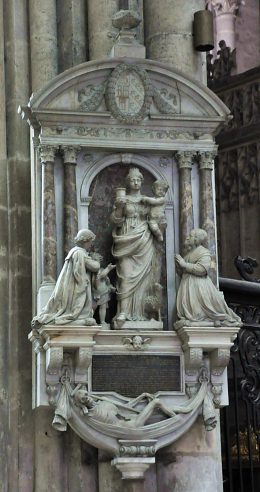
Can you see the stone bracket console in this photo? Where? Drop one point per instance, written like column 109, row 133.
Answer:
column 211, row 343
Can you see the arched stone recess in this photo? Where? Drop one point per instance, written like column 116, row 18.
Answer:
column 128, row 160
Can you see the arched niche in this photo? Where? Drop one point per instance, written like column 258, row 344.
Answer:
column 96, row 203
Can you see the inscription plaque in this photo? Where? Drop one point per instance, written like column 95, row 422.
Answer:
column 130, row 375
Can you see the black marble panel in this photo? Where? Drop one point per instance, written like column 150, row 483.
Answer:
column 133, row 374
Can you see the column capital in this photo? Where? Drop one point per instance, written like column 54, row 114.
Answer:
column 224, row 6
column 47, row 153
column 206, row 159
column 70, row 153
column 184, row 158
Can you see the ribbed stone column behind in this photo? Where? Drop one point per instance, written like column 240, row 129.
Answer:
column 43, row 47
column 100, row 27
column 168, row 34
column 72, row 35
column 3, row 268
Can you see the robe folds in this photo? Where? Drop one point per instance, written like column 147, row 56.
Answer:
column 198, row 299
column 72, row 297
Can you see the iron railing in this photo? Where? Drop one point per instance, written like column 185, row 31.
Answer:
column 240, row 421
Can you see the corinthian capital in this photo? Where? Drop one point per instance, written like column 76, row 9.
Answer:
column 184, row 159
column 70, row 153
column 225, row 6
column 206, row 159
column 47, row 153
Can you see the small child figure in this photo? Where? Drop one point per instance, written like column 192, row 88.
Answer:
column 101, row 289
column 156, row 218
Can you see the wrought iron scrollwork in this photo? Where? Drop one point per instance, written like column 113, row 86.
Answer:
column 249, row 314
column 245, row 267
column 249, row 352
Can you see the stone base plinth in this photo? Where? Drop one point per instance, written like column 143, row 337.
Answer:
column 132, row 468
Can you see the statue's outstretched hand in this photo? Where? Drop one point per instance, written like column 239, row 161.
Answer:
column 180, row 262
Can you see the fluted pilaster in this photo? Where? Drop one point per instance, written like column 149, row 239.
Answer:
column 185, row 195
column 70, row 197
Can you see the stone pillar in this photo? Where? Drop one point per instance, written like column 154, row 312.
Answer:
column 133, row 486
column 192, row 463
column 72, row 35
column 20, row 419
column 225, row 17
column 185, row 195
column 169, row 34
column 3, row 269
column 207, row 207
column 70, row 197
column 100, row 27
column 43, row 35
column 48, row 215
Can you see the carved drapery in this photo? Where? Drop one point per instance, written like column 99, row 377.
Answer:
column 207, row 213
column 47, row 154
column 70, row 196
column 185, row 194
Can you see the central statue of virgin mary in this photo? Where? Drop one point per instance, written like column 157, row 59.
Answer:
column 133, row 249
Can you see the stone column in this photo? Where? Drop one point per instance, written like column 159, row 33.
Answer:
column 48, row 215
column 3, row 270
column 134, row 485
column 100, row 27
column 185, row 195
column 43, row 35
column 72, row 35
column 192, row 463
column 70, row 197
column 225, row 18
column 19, row 369
column 169, row 34
column 207, row 207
